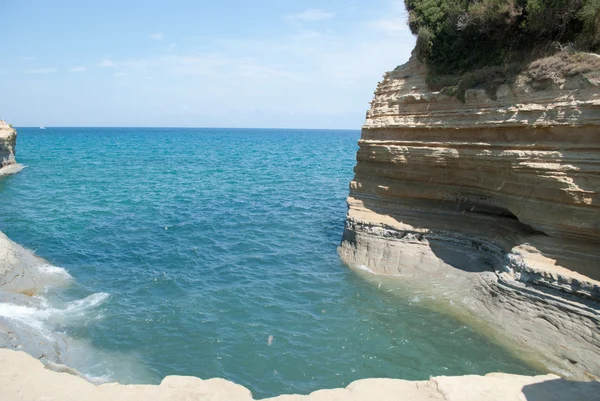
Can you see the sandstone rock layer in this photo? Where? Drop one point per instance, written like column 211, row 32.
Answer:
column 505, row 183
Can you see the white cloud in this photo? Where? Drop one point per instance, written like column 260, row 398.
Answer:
column 41, row 71
column 305, row 75
column 78, row 68
column 311, row 15
column 106, row 64
column 220, row 66
column 303, row 55
column 157, row 36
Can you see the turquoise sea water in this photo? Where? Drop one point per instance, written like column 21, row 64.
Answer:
column 211, row 241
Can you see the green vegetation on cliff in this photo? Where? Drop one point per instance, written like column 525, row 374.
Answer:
column 460, row 35
column 466, row 43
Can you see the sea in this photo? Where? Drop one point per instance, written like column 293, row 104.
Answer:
column 213, row 253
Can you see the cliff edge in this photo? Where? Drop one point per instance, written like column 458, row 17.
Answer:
column 8, row 141
column 24, row 378
column 492, row 202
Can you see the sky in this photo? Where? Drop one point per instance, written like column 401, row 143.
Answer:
column 218, row 63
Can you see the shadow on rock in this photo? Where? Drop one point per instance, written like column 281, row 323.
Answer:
column 562, row 390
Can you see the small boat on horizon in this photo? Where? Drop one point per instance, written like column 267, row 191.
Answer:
column 42, row 127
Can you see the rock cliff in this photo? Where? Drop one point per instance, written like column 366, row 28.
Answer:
column 8, row 141
column 493, row 203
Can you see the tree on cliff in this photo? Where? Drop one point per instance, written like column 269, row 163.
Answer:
column 455, row 36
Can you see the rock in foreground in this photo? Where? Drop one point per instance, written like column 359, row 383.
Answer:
column 24, row 378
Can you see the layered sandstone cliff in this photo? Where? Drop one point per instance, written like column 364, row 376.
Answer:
column 492, row 202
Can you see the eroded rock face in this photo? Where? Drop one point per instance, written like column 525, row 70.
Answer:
column 506, row 185
column 8, row 140
column 24, row 276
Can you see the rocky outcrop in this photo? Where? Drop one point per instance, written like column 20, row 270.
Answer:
column 23, row 277
column 24, row 378
column 8, row 141
column 492, row 202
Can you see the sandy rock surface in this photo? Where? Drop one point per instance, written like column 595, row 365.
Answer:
column 24, row 378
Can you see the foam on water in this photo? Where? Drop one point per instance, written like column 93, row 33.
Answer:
column 366, row 269
column 96, row 365
column 44, row 317
column 11, row 169
column 54, row 271
column 49, row 322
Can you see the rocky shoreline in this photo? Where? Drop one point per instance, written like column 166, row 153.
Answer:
column 8, row 141
column 24, row 378
column 24, row 279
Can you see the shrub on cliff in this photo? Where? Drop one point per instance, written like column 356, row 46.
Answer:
column 456, row 36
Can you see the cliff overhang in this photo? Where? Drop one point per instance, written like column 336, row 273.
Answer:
column 493, row 202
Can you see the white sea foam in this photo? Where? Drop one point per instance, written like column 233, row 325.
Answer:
column 415, row 299
column 366, row 269
column 42, row 318
column 54, row 271
column 95, row 365
column 11, row 169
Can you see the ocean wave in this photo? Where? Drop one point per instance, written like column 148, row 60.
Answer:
column 54, row 271
column 11, row 169
column 42, row 318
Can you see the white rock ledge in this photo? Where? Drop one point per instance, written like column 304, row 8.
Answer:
column 24, row 378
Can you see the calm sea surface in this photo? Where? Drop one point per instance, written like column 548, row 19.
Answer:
column 211, row 241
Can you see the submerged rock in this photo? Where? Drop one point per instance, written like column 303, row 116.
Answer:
column 493, row 203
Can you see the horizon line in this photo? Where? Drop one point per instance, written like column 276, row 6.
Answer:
column 184, row 127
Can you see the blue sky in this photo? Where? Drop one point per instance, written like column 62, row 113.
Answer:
column 228, row 63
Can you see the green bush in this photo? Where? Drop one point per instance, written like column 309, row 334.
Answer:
column 590, row 16
column 424, row 43
column 457, row 36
